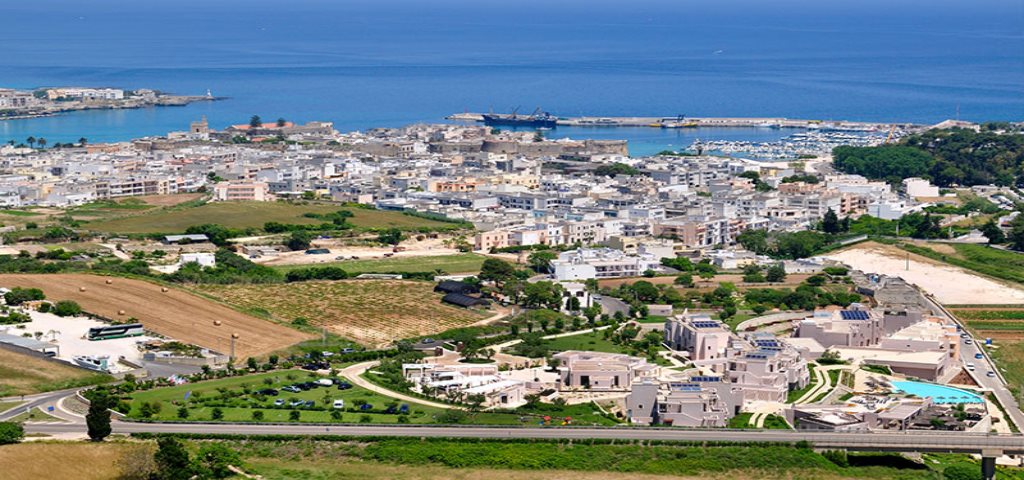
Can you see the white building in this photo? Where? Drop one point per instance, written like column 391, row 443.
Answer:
column 586, row 263
column 919, row 187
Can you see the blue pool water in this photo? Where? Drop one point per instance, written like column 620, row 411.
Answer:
column 938, row 393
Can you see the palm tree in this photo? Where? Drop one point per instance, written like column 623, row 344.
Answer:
column 281, row 122
column 31, row 141
column 82, row 141
column 41, row 142
column 255, row 121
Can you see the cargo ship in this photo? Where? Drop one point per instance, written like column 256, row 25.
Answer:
column 537, row 119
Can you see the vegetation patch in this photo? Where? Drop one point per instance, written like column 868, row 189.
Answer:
column 371, row 312
column 22, row 374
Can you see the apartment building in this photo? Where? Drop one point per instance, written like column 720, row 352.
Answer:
column 242, row 192
column 586, row 263
column 699, row 335
column 599, row 371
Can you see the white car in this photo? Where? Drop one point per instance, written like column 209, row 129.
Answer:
column 970, row 367
column 339, row 404
column 325, row 382
column 990, row 374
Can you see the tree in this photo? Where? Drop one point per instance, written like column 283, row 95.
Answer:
column 97, row 420
column 541, row 261
column 217, row 413
column 172, row 460
column 993, row 233
column 591, row 313
column 41, row 142
column 255, row 121
column 776, row 273
column 615, row 169
column 214, row 459
column 281, row 122
column 183, row 412
column 31, row 141
column 294, row 415
column 299, row 240
column 11, row 432
column 83, row 141
column 1016, row 235
column 257, row 415
column 496, row 270
column 391, row 236
column 543, row 294
column 752, row 274
column 830, row 224
column 684, row 280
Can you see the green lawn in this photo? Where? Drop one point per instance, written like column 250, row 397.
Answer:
column 772, row 422
column 457, row 263
column 594, row 342
column 35, row 415
column 252, row 215
column 19, row 213
column 238, row 406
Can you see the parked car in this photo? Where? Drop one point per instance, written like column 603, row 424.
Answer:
column 325, row 382
column 990, row 373
column 292, row 389
column 295, row 403
column 391, row 409
column 366, row 406
column 970, row 366
column 268, row 392
column 339, row 404
column 968, row 341
column 978, row 355
column 279, row 402
column 404, row 408
column 309, row 404
column 344, row 386
column 348, row 350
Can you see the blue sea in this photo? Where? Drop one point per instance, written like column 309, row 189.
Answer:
column 365, row 64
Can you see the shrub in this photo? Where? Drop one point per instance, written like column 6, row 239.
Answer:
column 18, row 295
column 11, row 432
column 67, row 308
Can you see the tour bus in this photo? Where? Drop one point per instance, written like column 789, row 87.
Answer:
column 115, row 331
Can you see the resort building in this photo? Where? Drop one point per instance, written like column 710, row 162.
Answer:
column 600, row 371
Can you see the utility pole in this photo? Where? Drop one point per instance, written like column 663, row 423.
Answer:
column 908, row 262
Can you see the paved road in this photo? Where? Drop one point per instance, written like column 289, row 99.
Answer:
column 915, row 441
column 354, row 374
column 41, row 400
column 610, row 305
column 996, row 383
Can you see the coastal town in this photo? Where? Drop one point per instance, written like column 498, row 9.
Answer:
column 42, row 102
column 491, row 276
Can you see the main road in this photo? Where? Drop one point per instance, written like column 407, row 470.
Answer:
column 995, row 383
column 954, row 442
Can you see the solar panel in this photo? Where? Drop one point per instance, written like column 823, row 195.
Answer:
column 706, row 324
column 853, row 315
column 705, row 378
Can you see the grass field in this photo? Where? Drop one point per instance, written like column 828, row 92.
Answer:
column 174, row 313
column 415, row 459
column 457, row 263
column 371, row 312
column 251, row 215
column 22, row 374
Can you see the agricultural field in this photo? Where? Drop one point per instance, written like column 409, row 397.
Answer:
column 22, row 374
column 371, row 312
column 251, row 215
column 457, row 263
column 79, row 460
column 174, row 313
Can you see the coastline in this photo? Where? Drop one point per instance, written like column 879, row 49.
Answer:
column 162, row 101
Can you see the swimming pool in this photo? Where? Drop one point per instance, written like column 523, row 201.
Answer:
column 938, row 393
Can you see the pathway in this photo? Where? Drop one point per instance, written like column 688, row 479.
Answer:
column 354, row 374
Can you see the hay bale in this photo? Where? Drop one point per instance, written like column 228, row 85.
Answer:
column 81, row 289
column 163, row 289
column 109, row 281
column 216, row 323
column 120, row 312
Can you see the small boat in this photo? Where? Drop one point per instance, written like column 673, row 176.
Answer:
column 93, row 362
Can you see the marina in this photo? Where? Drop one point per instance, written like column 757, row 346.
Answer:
column 682, row 121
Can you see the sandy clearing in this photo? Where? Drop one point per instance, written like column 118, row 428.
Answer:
column 949, row 284
column 175, row 313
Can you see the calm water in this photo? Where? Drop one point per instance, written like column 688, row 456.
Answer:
column 388, row 63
